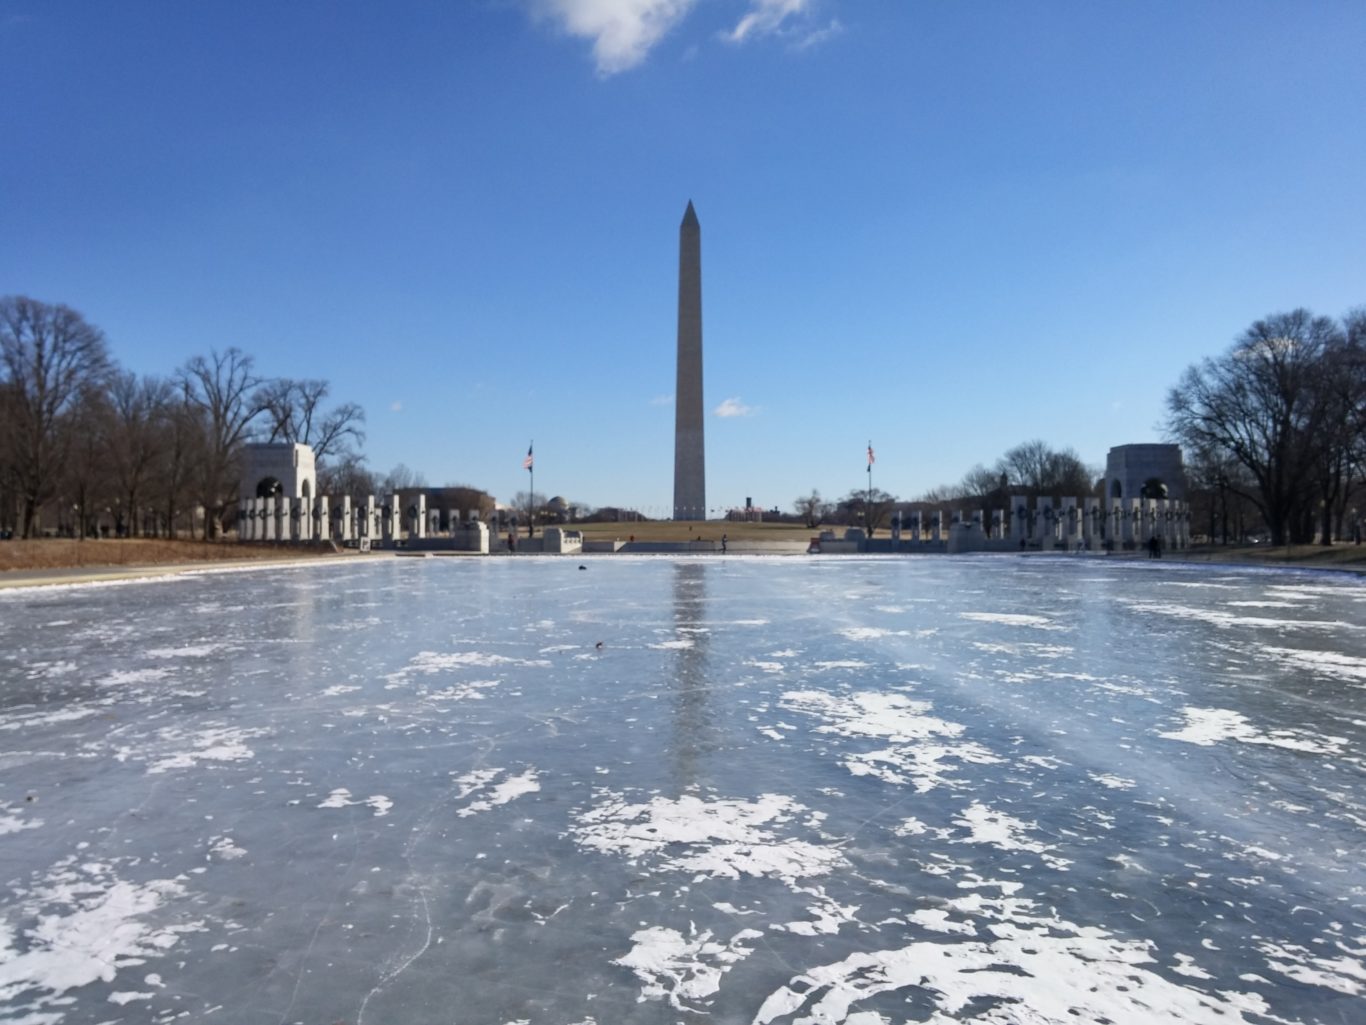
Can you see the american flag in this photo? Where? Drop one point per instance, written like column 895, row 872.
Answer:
column 529, row 461
column 871, row 459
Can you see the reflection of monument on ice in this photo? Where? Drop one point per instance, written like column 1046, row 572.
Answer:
column 693, row 725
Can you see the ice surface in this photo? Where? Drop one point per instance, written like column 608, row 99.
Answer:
column 819, row 791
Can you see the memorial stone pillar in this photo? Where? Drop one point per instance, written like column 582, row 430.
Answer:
column 392, row 519
column 322, row 516
column 367, row 517
column 421, row 525
column 1071, row 525
column 344, row 521
column 305, row 519
column 1019, row 518
column 1090, row 525
column 1045, row 526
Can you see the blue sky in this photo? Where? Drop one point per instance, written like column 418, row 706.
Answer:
column 945, row 227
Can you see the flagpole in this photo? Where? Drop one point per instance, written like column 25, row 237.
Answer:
column 868, row 505
column 531, row 469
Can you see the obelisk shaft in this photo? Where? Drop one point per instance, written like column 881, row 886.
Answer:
column 690, row 470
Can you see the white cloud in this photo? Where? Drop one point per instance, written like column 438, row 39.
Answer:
column 818, row 36
column 623, row 31
column 734, row 407
column 396, row 406
column 787, row 19
column 662, row 400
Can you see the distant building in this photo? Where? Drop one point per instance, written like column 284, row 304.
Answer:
column 1129, row 467
column 279, row 470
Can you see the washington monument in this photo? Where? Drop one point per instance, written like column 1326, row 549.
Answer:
column 690, row 463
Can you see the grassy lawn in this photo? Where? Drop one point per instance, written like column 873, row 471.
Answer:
column 65, row 553
column 1338, row 556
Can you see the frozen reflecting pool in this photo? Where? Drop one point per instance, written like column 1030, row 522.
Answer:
column 804, row 790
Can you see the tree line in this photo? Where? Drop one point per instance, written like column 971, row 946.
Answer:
column 1031, row 468
column 89, row 443
column 1273, row 432
column 1278, row 422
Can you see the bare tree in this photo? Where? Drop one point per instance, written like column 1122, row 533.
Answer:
column 222, row 390
column 401, row 478
column 85, row 478
column 529, row 506
column 811, row 508
column 134, row 440
column 294, row 412
column 347, row 475
column 1037, row 469
column 48, row 355
column 868, row 508
column 183, row 441
column 1264, row 403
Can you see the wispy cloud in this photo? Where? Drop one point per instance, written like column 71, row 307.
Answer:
column 791, row 20
column 662, row 400
column 734, row 407
column 396, row 406
column 623, row 31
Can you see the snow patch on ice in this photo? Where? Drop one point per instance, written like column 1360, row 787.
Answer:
column 1326, row 663
column 122, row 677
column 1012, row 619
column 10, row 822
column 720, row 838
column 85, row 924
column 827, row 915
column 1226, row 620
column 1005, row 832
column 1208, row 726
column 225, row 848
column 1043, row 970
column 894, row 717
column 1111, row 781
column 210, row 744
column 480, row 782
column 887, row 716
column 1345, row 974
column 685, row 970
column 429, row 662
column 870, row 633
column 186, row 651
column 341, row 798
